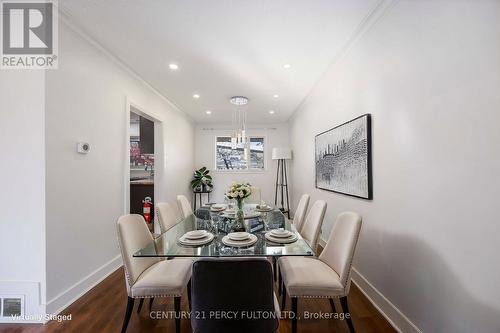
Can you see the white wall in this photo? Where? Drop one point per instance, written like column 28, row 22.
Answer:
column 22, row 196
column 86, row 101
column 429, row 73
column 276, row 136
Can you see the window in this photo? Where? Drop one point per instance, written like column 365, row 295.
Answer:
column 236, row 157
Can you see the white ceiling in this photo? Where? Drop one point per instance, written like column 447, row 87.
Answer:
column 224, row 48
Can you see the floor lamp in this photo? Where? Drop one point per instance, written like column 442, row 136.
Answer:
column 282, row 154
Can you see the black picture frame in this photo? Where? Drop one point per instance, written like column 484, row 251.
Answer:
column 369, row 170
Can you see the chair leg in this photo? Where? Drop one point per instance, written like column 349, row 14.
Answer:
column 345, row 308
column 332, row 304
column 128, row 313
column 280, row 283
column 275, row 271
column 283, row 299
column 177, row 309
column 141, row 302
column 189, row 294
column 295, row 314
column 151, row 303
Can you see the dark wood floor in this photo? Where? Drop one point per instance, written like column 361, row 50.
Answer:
column 102, row 310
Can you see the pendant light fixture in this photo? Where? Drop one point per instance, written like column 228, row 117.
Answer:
column 239, row 124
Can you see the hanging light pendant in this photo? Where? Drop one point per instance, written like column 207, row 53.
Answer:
column 238, row 100
column 239, row 119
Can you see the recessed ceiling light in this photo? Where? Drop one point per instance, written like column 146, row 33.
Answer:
column 196, row 96
column 276, row 95
column 287, row 66
column 173, row 67
column 208, row 112
column 271, row 111
column 238, row 100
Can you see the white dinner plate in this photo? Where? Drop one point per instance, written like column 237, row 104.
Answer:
column 195, row 234
column 218, row 207
column 248, row 215
column 238, row 236
column 252, row 239
column 265, row 208
column 252, row 214
column 196, row 242
column 281, row 240
column 280, row 233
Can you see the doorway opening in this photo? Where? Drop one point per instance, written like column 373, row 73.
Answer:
column 141, row 165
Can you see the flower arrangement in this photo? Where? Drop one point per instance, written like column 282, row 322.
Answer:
column 239, row 191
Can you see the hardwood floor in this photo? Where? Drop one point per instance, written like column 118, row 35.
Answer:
column 102, row 310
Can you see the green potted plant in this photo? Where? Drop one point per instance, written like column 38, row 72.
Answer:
column 202, row 181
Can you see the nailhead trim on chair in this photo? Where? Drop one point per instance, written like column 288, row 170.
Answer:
column 127, row 275
column 348, row 278
column 317, row 296
column 153, row 296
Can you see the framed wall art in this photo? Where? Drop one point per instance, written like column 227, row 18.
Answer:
column 343, row 158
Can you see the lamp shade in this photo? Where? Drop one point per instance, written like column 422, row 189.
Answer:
column 283, row 153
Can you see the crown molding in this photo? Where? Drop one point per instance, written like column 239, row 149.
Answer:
column 373, row 15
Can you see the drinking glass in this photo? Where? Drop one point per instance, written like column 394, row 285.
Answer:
column 204, row 224
column 215, row 224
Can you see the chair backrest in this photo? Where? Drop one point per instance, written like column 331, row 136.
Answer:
column 133, row 235
column 227, row 285
column 300, row 212
column 255, row 197
column 312, row 224
column 167, row 214
column 184, row 206
column 339, row 250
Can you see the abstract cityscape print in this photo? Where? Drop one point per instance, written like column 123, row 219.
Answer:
column 343, row 158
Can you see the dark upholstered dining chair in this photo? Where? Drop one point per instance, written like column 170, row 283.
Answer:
column 241, row 289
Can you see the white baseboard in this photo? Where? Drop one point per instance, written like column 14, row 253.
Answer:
column 67, row 297
column 394, row 316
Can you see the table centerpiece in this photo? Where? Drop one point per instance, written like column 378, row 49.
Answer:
column 238, row 192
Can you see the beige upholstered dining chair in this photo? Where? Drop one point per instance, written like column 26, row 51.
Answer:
column 310, row 228
column 167, row 214
column 184, row 206
column 312, row 225
column 300, row 212
column 329, row 275
column 149, row 277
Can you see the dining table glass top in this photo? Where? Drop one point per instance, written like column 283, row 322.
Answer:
column 168, row 245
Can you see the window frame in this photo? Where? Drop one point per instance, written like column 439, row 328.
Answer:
column 248, row 169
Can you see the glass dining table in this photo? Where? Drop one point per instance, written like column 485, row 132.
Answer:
column 167, row 244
